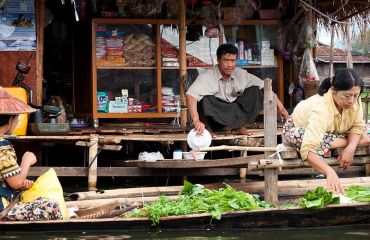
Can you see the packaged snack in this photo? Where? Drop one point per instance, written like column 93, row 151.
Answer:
column 103, row 102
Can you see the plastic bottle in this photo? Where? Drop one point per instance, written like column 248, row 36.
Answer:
column 241, row 50
column 236, row 45
column 249, row 54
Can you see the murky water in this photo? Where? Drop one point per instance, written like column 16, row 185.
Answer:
column 358, row 232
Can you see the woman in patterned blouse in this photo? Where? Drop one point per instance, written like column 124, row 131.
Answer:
column 13, row 177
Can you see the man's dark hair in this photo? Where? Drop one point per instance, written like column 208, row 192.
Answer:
column 4, row 119
column 225, row 49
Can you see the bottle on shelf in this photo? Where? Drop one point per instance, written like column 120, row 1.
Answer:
column 241, row 50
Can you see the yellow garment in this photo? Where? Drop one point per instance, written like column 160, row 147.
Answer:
column 318, row 115
column 47, row 186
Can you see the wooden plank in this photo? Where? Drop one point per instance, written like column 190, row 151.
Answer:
column 134, row 172
column 360, row 151
column 297, row 163
column 352, row 171
column 270, row 123
column 162, row 137
column 173, row 164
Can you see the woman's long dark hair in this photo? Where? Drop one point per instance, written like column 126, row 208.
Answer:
column 343, row 80
column 4, row 119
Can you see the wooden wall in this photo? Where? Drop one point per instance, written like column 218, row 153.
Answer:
column 8, row 71
column 9, row 59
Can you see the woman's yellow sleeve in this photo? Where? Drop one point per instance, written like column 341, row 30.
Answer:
column 314, row 133
column 358, row 126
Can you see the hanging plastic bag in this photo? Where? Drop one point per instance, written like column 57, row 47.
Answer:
column 308, row 76
column 308, row 70
column 47, row 186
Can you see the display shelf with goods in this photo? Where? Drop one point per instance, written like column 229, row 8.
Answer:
column 256, row 40
column 135, row 62
column 127, row 77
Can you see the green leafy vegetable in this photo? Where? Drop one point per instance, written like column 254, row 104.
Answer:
column 358, row 193
column 318, row 198
column 194, row 198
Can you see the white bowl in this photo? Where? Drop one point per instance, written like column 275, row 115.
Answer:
column 189, row 155
column 199, row 141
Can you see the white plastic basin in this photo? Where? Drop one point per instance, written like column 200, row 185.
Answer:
column 190, row 155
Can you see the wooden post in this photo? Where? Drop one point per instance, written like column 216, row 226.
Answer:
column 182, row 60
column 243, row 171
column 367, row 169
column 93, row 162
column 349, row 46
column 270, row 128
column 40, row 7
column 331, row 68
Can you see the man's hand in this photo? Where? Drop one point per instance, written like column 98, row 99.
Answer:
column 199, row 127
column 346, row 156
column 282, row 111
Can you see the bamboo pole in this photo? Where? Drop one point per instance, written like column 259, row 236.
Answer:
column 242, row 148
column 93, row 162
column 349, row 47
column 40, row 7
column 182, row 59
column 331, row 68
column 270, row 126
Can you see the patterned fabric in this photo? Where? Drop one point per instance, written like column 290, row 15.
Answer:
column 8, row 168
column 318, row 115
column 293, row 136
column 40, row 209
column 8, row 160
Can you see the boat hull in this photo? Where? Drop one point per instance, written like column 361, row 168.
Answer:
column 344, row 214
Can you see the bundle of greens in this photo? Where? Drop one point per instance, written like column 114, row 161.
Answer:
column 358, row 193
column 318, row 198
column 194, row 198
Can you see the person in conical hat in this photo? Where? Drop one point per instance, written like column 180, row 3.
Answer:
column 13, row 177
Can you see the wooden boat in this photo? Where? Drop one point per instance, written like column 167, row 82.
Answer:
column 282, row 218
column 334, row 215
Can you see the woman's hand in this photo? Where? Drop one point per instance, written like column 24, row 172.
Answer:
column 27, row 184
column 29, row 158
column 333, row 182
column 346, row 156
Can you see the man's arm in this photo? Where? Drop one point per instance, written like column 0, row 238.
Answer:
column 281, row 109
column 193, row 111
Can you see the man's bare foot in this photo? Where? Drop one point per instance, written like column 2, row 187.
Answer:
column 242, row 131
column 211, row 132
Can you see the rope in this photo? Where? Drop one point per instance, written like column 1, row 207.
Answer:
column 279, row 148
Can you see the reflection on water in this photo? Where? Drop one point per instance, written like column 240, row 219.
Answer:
column 359, row 232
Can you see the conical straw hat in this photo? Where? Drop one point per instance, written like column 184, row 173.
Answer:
column 10, row 105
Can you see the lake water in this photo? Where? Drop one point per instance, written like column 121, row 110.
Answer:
column 358, row 232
